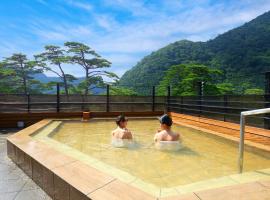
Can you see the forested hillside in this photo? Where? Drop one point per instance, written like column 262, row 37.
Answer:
column 242, row 54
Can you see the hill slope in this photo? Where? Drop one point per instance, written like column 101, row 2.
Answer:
column 242, row 53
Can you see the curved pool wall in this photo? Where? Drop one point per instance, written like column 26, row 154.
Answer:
column 64, row 172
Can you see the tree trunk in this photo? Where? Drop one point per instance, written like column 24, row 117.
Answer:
column 25, row 85
column 64, row 79
column 87, row 82
column 24, row 78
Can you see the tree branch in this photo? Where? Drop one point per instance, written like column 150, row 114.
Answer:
column 49, row 69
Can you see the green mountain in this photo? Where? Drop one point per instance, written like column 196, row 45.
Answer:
column 243, row 54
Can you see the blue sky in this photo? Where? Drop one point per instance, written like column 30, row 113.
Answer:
column 123, row 31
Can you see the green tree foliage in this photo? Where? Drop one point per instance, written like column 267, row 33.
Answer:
column 55, row 56
column 254, row 91
column 92, row 64
column 6, row 79
column 225, row 88
column 242, row 54
column 184, row 79
column 17, row 73
column 122, row 91
column 22, row 70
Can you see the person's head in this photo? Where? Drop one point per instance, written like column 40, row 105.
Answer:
column 121, row 121
column 165, row 121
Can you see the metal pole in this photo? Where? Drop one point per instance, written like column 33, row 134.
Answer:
column 168, row 98
column 28, row 102
column 108, row 99
column 153, row 98
column 58, row 97
column 241, row 143
column 242, row 133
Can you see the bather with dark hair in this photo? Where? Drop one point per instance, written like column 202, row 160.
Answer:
column 121, row 132
column 165, row 133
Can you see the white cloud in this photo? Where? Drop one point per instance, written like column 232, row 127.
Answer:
column 136, row 7
column 150, row 27
column 106, row 22
column 42, row 2
column 79, row 4
column 48, row 31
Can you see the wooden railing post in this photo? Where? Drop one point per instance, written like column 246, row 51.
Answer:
column 28, row 103
column 108, row 99
column 58, row 97
column 82, row 106
column 168, row 98
column 181, row 101
column 153, row 98
column 266, row 120
column 225, row 105
column 200, row 93
column 267, row 100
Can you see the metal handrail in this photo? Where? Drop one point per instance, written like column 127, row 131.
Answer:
column 242, row 133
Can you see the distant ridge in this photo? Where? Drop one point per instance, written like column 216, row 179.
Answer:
column 46, row 79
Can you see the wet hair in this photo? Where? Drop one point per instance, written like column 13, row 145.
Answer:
column 166, row 119
column 121, row 118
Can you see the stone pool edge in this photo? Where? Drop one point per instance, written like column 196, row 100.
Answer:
column 56, row 173
column 63, row 177
column 229, row 180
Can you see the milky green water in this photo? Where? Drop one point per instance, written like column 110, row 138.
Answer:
column 203, row 157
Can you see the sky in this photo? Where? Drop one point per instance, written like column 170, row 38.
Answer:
column 122, row 31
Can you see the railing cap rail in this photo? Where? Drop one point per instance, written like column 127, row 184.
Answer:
column 255, row 112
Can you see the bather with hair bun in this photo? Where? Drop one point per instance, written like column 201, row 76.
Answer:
column 121, row 136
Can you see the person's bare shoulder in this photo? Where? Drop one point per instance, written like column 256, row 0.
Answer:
column 159, row 135
column 115, row 131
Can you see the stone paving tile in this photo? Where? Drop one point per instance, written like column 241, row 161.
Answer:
column 248, row 191
column 37, row 194
column 11, row 185
column 8, row 196
column 30, row 185
column 265, row 183
column 14, row 183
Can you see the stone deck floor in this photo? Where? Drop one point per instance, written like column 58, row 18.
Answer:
column 14, row 183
